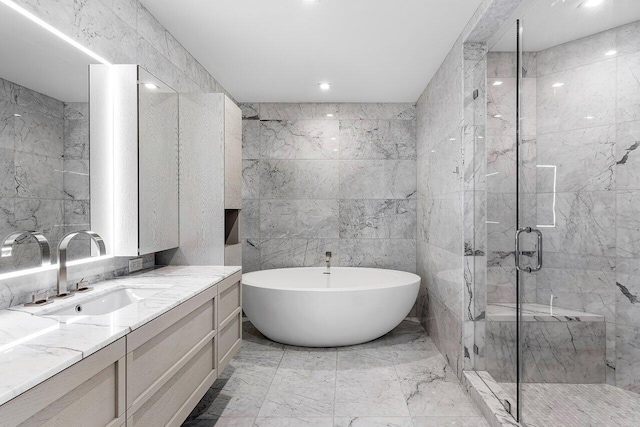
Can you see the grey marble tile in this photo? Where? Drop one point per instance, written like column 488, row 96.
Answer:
column 7, row 173
column 377, row 139
column 584, row 222
column 377, row 179
column 250, row 227
column 565, row 352
column 43, row 215
column 503, row 64
column 125, row 10
column 586, row 97
column 7, row 109
column 282, row 253
column 251, row 179
column 251, row 255
column 577, row 160
column 373, row 219
column 441, row 222
column 430, row 387
column 628, row 87
column 628, row 357
column 299, row 139
column 373, row 422
column 39, row 133
column 250, row 111
column 591, row 291
column 76, row 138
column 157, row 64
column 627, row 291
column 294, row 422
column 377, row 111
column 31, row 101
column 251, row 139
column 38, row 176
column 304, row 385
column 364, row 393
column 76, row 179
column 627, row 224
column 628, row 156
column 462, row 421
column 627, row 37
column 395, row 254
column 305, row 111
column 299, row 179
column 445, row 328
column 299, row 218
column 578, row 52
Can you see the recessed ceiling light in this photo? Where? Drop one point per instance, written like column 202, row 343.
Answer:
column 498, row 83
column 335, row 149
column 310, row 1
column 333, row 138
column 557, row 84
column 17, row 115
column 497, row 116
column 325, row 86
column 452, row 139
column 589, row 117
column 151, row 86
column 592, row 3
column 611, row 52
column 480, row 137
column 329, row 115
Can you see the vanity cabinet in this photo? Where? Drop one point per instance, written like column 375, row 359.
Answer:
column 89, row 393
column 133, row 133
column 154, row 376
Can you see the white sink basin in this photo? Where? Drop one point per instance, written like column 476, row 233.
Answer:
column 105, row 303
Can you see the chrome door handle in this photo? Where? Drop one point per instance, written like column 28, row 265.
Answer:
column 539, row 263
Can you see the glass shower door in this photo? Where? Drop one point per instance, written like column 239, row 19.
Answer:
column 577, row 252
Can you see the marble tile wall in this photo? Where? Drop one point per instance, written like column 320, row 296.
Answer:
column 329, row 177
column 123, row 32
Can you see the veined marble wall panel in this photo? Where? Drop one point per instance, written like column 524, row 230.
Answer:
column 122, row 31
column 329, row 177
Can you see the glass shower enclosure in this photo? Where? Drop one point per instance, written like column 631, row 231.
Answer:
column 558, row 211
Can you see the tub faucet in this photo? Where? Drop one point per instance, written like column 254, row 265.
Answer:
column 328, row 261
column 63, row 292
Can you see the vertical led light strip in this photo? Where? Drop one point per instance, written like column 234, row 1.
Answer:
column 22, row 11
column 555, row 176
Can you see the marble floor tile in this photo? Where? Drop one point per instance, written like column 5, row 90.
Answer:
column 373, row 422
column 430, row 387
column 449, row 421
column 270, row 385
column 294, row 422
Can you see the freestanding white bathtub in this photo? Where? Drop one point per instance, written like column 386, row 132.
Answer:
column 305, row 307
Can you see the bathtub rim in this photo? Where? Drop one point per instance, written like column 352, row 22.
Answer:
column 408, row 279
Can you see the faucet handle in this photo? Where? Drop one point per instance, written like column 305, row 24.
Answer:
column 81, row 286
column 38, row 299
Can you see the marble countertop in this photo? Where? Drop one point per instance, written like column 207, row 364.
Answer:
column 499, row 312
column 35, row 346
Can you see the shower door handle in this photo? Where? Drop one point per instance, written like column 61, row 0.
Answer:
column 539, row 263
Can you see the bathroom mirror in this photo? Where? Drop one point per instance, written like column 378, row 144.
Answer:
column 44, row 138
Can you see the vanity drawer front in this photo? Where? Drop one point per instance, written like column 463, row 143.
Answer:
column 159, row 349
column 229, row 298
column 229, row 339
column 88, row 393
column 171, row 404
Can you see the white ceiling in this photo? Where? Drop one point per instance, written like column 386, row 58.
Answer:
column 279, row 50
column 34, row 58
column 548, row 23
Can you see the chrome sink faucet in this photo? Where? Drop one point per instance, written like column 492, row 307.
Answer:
column 43, row 243
column 328, row 261
column 63, row 291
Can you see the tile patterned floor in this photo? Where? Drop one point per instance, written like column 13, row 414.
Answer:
column 399, row 380
column 577, row 405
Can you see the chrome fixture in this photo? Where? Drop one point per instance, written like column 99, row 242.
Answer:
column 328, row 261
column 38, row 299
column 518, row 253
column 45, row 249
column 63, row 292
